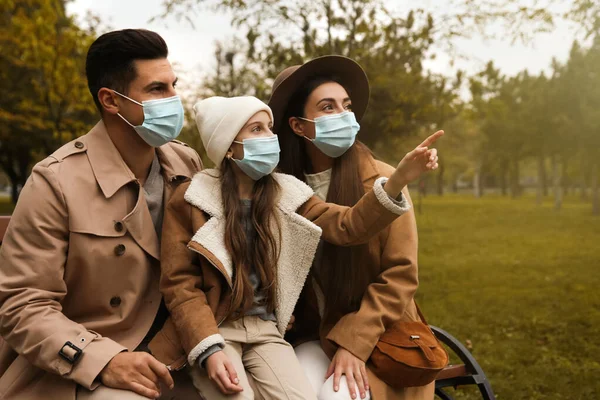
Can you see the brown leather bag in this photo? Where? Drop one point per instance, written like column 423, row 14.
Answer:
column 408, row 354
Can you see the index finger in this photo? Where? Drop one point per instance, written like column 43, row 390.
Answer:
column 162, row 371
column 431, row 139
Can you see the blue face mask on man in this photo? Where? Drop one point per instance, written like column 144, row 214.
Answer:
column 334, row 134
column 261, row 156
column 163, row 120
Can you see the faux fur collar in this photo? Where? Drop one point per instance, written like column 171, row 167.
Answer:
column 204, row 192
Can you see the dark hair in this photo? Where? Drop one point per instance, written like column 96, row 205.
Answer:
column 262, row 253
column 110, row 59
column 341, row 273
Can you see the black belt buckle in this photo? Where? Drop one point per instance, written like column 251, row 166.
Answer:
column 71, row 359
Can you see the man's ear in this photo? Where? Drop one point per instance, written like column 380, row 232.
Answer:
column 297, row 126
column 107, row 99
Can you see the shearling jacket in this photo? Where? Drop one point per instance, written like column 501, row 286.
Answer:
column 197, row 271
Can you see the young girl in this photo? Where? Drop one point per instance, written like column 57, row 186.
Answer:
column 238, row 242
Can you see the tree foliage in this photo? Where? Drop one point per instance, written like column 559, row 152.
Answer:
column 44, row 100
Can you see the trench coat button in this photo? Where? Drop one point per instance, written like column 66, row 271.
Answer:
column 79, row 144
column 115, row 301
column 119, row 249
column 119, row 226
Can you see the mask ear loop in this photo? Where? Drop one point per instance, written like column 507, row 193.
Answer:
column 230, row 156
column 309, row 120
column 129, row 98
column 132, row 100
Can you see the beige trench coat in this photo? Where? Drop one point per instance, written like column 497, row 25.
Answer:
column 79, row 265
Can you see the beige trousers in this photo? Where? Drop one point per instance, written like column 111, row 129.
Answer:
column 183, row 390
column 256, row 349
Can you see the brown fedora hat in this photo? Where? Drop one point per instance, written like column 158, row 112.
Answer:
column 349, row 72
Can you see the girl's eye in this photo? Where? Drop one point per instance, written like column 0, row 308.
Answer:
column 348, row 107
column 256, row 128
column 328, row 107
column 155, row 89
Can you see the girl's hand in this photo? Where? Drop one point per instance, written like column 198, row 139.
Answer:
column 346, row 363
column 290, row 324
column 222, row 373
column 413, row 165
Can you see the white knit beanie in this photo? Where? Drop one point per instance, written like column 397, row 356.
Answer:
column 220, row 119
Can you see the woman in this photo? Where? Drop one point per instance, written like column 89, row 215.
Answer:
column 238, row 242
column 357, row 292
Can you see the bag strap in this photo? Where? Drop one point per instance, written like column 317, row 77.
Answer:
column 421, row 314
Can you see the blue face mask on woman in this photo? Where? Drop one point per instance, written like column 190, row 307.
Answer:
column 163, row 120
column 261, row 156
column 334, row 134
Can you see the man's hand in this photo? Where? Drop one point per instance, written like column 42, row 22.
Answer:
column 221, row 371
column 138, row 372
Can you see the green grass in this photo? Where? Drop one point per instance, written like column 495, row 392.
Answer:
column 522, row 283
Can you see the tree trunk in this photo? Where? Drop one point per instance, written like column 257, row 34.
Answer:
column 16, row 182
column 542, row 187
column 595, row 194
column 14, row 191
column 15, row 165
column 583, row 187
column 518, row 178
column 565, row 181
column 514, row 181
column 423, row 186
column 503, row 181
column 440, row 181
column 584, row 180
column 477, row 181
column 557, row 178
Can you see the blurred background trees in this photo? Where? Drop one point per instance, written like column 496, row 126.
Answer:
column 508, row 134
column 44, row 100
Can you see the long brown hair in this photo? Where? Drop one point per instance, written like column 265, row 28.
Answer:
column 341, row 274
column 261, row 252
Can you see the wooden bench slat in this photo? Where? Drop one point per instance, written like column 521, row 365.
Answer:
column 452, row 371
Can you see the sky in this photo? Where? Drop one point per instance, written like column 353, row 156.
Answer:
column 191, row 48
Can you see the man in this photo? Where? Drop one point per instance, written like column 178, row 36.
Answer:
column 79, row 265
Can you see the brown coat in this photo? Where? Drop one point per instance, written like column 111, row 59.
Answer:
column 79, row 263
column 389, row 298
column 197, row 269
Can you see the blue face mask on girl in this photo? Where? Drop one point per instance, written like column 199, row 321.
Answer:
column 334, row 134
column 261, row 156
column 163, row 120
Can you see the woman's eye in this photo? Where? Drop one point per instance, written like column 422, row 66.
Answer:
column 256, row 129
column 328, row 107
column 348, row 107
